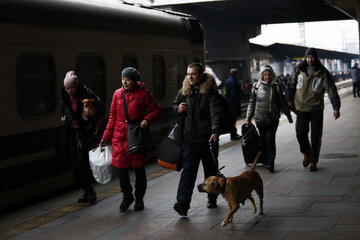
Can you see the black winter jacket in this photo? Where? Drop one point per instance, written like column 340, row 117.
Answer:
column 204, row 115
column 85, row 134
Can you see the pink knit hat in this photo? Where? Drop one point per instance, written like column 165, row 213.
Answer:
column 70, row 79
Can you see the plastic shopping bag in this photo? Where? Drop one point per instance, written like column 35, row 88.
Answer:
column 100, row 162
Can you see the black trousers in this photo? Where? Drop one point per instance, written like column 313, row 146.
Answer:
column 140, row 183
column 356, row 90
column 267, row 136
column 304, row 121
column 193, row 153
column 80, row 163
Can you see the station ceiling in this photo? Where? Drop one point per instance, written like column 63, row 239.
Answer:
column 275, row 11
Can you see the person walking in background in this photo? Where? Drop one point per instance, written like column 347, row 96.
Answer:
column 81, row 132
column 354, row 71
column 247, row 90
column 139, row 100
column 305, row 93
column 266, row 104
column 232, row 97
column 202, row 121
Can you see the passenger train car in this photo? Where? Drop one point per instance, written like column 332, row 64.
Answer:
column 42, row 40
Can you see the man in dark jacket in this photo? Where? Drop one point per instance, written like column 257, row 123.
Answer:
column 82, row 132
column 305, row 93
column 232, row 97
column 354, row 71
column 199, row 103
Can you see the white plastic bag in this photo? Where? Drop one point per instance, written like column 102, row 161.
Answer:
column 100, row 162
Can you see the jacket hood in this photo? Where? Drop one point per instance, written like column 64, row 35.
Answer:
column 268, row 68
column 207, row 83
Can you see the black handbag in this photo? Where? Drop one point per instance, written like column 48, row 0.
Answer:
column 169, row 154
column 140, row 140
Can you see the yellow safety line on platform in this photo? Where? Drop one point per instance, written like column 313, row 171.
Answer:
column 17, row 229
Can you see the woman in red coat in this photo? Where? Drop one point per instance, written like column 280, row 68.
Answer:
column 138, row 100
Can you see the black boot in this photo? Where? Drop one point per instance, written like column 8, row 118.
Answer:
column 127, row 201
column 84, row 198
column 139, row 204
column 92, row 197
column 181, row 208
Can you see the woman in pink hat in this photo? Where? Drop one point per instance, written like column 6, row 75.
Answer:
column 81, row 134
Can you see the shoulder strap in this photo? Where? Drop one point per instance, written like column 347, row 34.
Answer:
column 277, row 88
column 125, row 108
column 257, row 85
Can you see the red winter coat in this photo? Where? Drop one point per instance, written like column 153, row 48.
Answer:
column 138, row 100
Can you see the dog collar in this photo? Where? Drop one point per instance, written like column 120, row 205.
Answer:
column 224, row 186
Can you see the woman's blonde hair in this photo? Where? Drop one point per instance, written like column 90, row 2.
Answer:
column 266, row 68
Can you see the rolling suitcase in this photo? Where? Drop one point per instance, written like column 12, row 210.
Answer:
column 250, row 143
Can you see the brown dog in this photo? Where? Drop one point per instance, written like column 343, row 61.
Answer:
column 236, row 189
column 89, row 110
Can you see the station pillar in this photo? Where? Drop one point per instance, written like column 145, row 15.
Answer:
column 226, row 40
column 358, row 19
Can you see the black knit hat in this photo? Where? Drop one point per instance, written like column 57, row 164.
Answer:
column 312, row 52
column 131, row 73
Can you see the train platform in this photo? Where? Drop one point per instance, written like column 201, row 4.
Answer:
column 298, row 204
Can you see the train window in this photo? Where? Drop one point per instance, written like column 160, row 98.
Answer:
column 35, row 75
column 90, row 68
column 181, row 70
column 129, row 60
column 158, row 68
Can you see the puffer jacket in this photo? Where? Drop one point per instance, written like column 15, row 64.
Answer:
column 204, row 111
column 266, row 98
column 86, row 137
column 138, row 100
column 307, row 92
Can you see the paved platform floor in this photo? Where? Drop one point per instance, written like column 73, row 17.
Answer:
column 298, row 204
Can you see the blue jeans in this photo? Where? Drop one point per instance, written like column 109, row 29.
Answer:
column 140, row 183
column 192, row 154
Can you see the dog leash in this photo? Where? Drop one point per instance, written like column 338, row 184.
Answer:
column 219, row 174
column 215, row 159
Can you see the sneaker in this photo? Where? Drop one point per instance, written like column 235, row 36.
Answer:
column 127, row 201
column 306, row 161
column 211, row 204
column 181, row 208
column 139, row 204
column 312, row 167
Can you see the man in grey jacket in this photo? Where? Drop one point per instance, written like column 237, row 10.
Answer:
column 305, row 93
column 354, row 71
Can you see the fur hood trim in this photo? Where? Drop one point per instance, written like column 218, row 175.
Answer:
column 207, row 83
